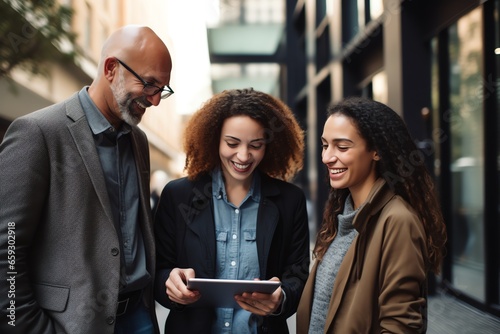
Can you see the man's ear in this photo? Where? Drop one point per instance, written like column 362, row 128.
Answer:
column 110, row 68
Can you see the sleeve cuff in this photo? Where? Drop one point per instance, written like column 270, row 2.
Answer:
column 281, row 308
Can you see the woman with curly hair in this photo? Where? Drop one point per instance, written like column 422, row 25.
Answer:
column 235, row 216
column 382, row 228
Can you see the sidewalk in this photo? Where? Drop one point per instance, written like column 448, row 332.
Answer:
column 449, row 315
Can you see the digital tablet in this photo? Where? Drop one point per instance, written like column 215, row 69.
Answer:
column 220, row 292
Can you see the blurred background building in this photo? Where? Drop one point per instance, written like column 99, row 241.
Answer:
column 435, row 62
column 180, row 24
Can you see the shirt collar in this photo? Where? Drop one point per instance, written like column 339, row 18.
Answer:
column 219, row 190
column 97, row 122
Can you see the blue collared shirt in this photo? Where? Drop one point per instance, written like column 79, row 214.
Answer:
column 236, row 230
column 114, row 148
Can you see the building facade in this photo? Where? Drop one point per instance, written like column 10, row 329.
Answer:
column 92, row 22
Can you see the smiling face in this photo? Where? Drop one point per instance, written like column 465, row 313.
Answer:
column 241, row 148
column 132, row 57
column 131, row 102
column 345, row 153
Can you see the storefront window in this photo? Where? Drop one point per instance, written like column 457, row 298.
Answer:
column 467, row 147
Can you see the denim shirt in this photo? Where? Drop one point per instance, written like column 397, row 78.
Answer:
column 235, row 229
column 114, row 148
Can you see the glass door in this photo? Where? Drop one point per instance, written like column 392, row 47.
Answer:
column 467, row 153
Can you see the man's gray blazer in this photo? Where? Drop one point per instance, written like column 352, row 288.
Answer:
column 56, row 225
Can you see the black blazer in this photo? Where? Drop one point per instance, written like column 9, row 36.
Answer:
column 185, row 237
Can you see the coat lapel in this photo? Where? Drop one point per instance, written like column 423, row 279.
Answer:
column 82, row 136
column 141, row 159
column 267, row 220
column 352, row 263
column 340, row 284
column 141, row 155
column 266, row 225
column 200, row 220
column 306, row 301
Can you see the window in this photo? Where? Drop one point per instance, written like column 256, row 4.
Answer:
column 467, row 147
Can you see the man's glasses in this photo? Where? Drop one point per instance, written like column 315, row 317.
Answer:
column 149, row 89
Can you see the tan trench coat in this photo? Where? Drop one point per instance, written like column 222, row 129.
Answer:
column 381, row 285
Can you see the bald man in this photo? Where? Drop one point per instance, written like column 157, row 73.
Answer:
column 76, row 241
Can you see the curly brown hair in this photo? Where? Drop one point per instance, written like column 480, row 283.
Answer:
column 385, row 132
column 284, row 137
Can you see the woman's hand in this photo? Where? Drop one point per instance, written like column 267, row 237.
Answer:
column 261, row 303
column 176, row 286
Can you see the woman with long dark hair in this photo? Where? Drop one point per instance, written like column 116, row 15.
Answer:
column 382, row 229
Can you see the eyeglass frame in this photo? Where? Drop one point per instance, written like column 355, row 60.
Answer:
column 169, row 91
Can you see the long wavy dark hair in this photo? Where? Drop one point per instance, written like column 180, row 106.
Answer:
column 401, row 164
column 283, row 157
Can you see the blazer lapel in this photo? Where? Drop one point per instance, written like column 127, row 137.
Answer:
column 141, row 159
column 266, row 225
column 141, row 154
column 267, row 220
column 200, row 220
column 82, row 136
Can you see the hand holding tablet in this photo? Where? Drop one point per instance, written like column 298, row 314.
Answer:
column 221, row 292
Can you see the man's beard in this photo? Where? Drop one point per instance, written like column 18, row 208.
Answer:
column 125, row 103
column 126, row 113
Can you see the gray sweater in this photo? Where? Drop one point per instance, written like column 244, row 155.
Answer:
column 329, row 267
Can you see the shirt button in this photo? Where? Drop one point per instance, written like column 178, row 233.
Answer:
column 233, row 263
column 237, row 211
column 226, row 324
column 110, row 320
column 234, row 236
column 114, row 251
